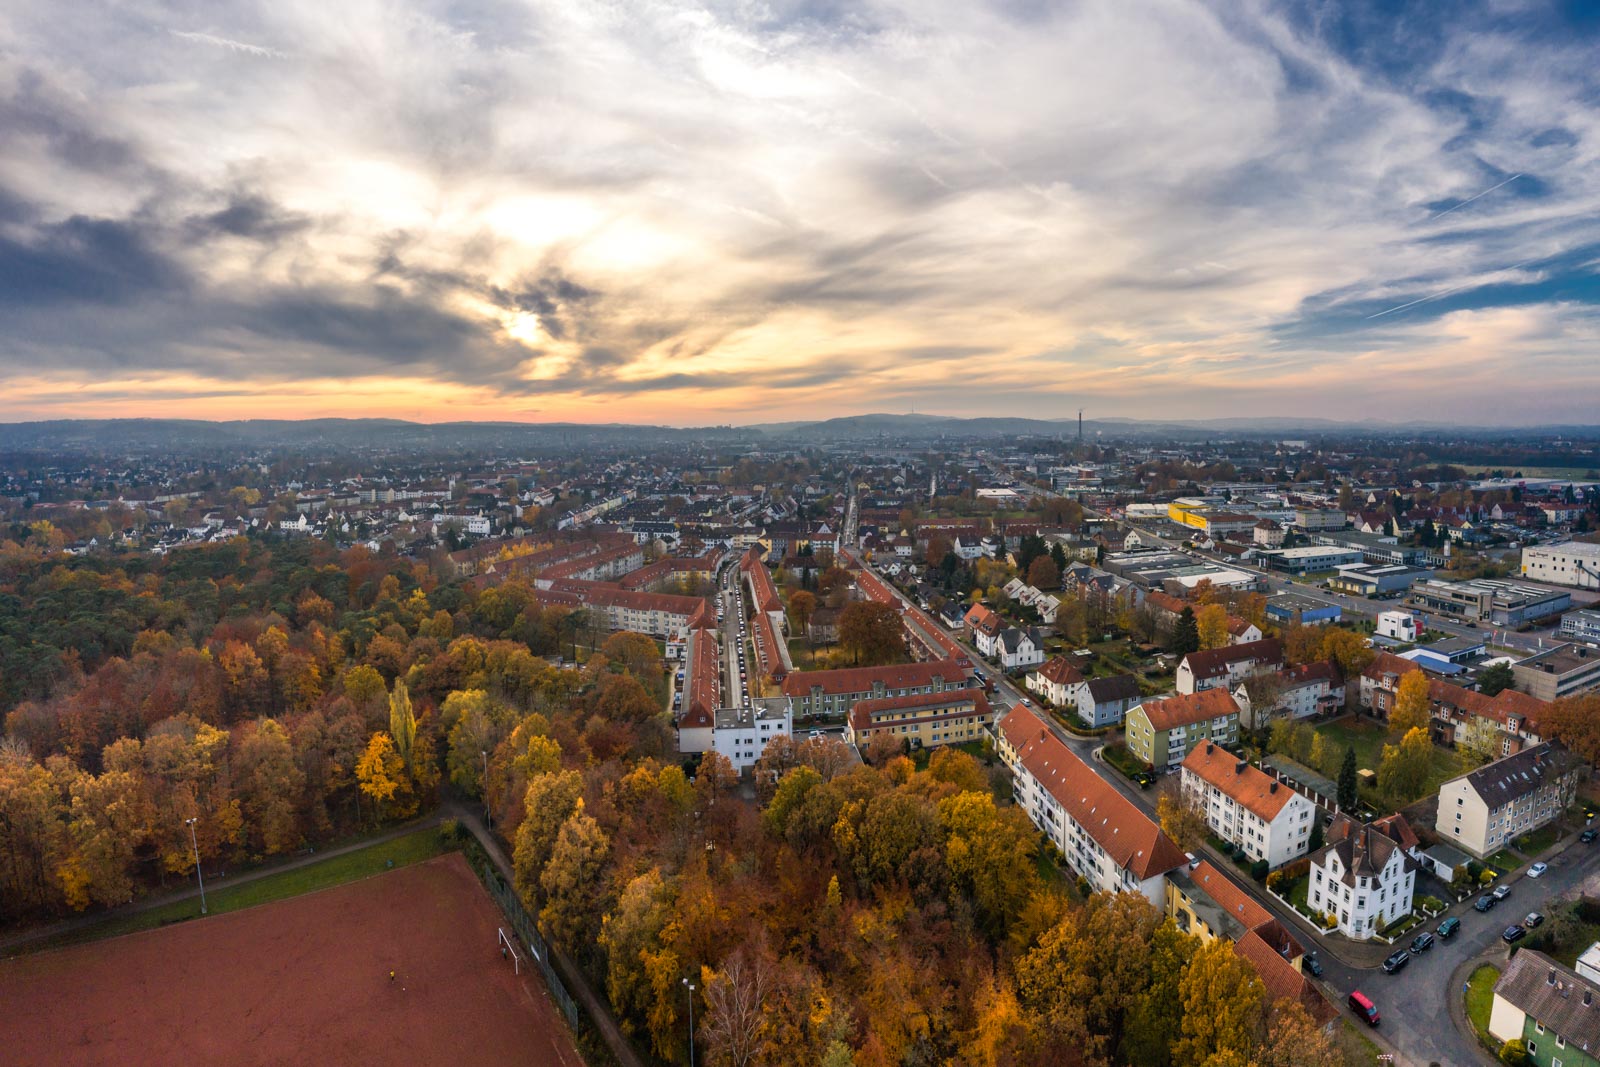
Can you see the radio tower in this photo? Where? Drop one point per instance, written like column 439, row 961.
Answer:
column 1080, row 426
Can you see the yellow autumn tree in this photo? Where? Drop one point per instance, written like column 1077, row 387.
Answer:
column 381, row 774
column 1212, row 622
column 1411, row 704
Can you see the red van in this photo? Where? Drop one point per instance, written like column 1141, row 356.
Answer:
column 1364, row 1007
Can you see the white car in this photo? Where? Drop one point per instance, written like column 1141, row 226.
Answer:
column 1538, row 870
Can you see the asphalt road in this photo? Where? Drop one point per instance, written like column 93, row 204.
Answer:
column 1414, row 1001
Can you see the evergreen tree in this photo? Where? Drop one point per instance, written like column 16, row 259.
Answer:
column 1347, row 780
column 1059, row 554
column 1186, row 634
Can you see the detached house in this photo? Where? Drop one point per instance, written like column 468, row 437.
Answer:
column 1483, row 811
column 1363, row 877
column 1262, row 817
column 1298, row 692
column 1098, row 701
column 1553, row 1010
column 1019, row 649
column 1225, row 667
column 985, row 627
column 1164, row 732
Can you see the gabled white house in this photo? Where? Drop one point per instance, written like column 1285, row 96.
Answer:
column 1363, row 876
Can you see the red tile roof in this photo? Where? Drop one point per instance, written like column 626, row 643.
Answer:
column 1131, row 838
column 1213, row 663
column 1183, row 709
column 862, row 679
column 1059, row 669
column 1253, row 789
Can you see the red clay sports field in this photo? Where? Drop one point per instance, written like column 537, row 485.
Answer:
column 301, row 981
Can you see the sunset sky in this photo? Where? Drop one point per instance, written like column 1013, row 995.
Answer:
column 742, row 212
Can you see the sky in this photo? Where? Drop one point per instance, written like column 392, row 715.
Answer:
column 744, row 211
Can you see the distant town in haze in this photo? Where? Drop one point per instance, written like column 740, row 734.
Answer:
column 697, row 533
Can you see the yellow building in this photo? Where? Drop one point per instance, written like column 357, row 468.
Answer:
column 925, row 720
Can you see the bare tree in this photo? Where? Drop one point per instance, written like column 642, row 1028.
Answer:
column 734, row 998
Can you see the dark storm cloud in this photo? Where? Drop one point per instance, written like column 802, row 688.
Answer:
column 249, row 215
column 86, row 261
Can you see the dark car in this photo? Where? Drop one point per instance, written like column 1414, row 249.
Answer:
column 1448, row 928
column 1421, row 943
column 1399, row 960
column 1314, row 966
column 1513, row 933
column 1588, row 836
column 1484, row 904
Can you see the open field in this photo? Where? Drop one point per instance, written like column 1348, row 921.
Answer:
column 299, row 981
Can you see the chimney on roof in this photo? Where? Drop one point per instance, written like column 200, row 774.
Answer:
column 1210, row 748
column 1273, row 788
column 1238, row 768
column 1550, row 978
column 1588, row 996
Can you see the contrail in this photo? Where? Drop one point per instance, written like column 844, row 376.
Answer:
column 232, row 46
column 1464, row 203
column 1436, row 296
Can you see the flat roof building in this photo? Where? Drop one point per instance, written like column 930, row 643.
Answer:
column 1559, row 672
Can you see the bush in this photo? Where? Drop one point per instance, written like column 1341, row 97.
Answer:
column 1275, row 879
column 1485, row 877
column 1587, row 909
column 1515, row 1053
column 1430, row 903
column 1227, row 848
column 1258, row 870
column 449, row 831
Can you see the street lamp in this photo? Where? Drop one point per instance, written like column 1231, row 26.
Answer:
column 487, row 810
column 690, row 987
column 194, row 842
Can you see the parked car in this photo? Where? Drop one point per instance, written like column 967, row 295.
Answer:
column 1533, row 920
column 1363, row 1006
column 1396, row 961
column 1314, row 966
column 1448, row 928
column 1501, row 892
column 1484, row 903
column 1537, row 870
column 1421, row 943
column 1513, row 933
column 1588, row 836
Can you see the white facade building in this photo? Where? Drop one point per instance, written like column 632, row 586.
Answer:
column 1575, row 563
column 742, row 734
column 1363, row 877
column 1262, row 817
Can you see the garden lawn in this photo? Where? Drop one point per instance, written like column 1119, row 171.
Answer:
column 1480, row 998
column 1119, row 757
column 1531, row 845
column 1368, row 739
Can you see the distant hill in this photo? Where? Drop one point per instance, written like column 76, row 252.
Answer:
column 316, row 435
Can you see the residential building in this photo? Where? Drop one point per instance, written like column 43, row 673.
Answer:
column 1492, row 600
column 833, row 693
column 985, row 628
column 1551, row 1009
column 1363, row 877
column 1581, row 625
column 1309, row 519
column 1203, row 901
column 1163, row 732
column 742, row 734
column 1268, row 534
column 1242, row 631
column 702, row 693
column 1558, row 672
column 1264, row 818
column 1299, row 692
column 1019, row 649
column 1482, row 811
column 1057, row 680
column 1574, row 563
column 1224, row 667
column 1103, row 836
column 922, row 720
column 657, row 614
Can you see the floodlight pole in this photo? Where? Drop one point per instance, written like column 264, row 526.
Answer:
column 488, row 811
column 690, row 987
column 198, row 876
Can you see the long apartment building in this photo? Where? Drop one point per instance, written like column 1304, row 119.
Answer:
column 1103, row 836
column 833, row 693
column 922, row 720
column 657, row 614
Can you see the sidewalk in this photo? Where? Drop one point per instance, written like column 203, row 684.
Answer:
column 11, row 942
column 1457, row 1001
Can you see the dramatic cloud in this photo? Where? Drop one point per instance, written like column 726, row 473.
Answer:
column 728, row 211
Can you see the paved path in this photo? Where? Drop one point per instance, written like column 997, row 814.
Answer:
column 598, row 1011
column 14, row 941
